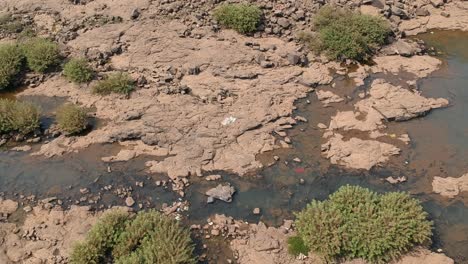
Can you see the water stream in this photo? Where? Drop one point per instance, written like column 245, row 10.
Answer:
column 439, row 148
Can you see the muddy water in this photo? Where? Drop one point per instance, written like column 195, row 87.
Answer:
column 439, row 148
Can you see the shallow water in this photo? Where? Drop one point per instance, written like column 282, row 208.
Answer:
column 439, row 148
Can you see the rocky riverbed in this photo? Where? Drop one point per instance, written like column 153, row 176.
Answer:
column 211, row 101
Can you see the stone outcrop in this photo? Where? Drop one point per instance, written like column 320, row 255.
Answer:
column 222, row 192
column 357, row 153
column 450, row 187
column 46, row 236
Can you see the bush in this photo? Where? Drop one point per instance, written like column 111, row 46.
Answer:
column 101, row 239
column 41, row 54
column 343, row 34
column 244, row 18
column 18, row 116
column 115, row 83
column 11, row 62
column 10, row 25
column 72, row 119
column 296, row 246
column 78, row 71
column 148, row 238
column 358, row 223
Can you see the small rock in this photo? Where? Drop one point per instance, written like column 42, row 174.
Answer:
column 129, row 201
column 223, row 193
column 135, row 14
column 210, row 200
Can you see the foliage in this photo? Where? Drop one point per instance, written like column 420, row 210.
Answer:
column 343, row 34
column 78, row 71
column 244, row 18
column 115, row 83
column 296, row 246
column 358, row 223
column 18, row 116
column 41, row 54
column 100, row 239
column 11, row 62
column 148, row 238
column 72, row 119
column 9, row 24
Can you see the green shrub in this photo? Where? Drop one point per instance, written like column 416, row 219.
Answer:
column 41, row 54
column 72, row 119
column 101, row 239
column 343, row 34
column 296, row 246
column 148, row 238
column 18, row 116
column 78, row 71
column 11, row 62
column 115, row 83
column 244, row 18
column 358, row 223
column 10, row 25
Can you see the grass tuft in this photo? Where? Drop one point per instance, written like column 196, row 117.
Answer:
column 78, row 71
column 115, row 83
column 72, row 119
column 358, row 223
column 244, row 18
column 343, row 34
column 16, row 116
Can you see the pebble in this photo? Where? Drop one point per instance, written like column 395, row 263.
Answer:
column 129, row 201
column 256, row 211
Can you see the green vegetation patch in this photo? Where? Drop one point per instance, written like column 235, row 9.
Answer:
column 41, row 54
column 72, row 119
column 11, row 63
column 244, row 18
column 78, row 71
column 18, row 117
column 296, row 246
column 343, row 34
column 358, row 223
column 9, row 24
column 149, row 237
column 115, row 83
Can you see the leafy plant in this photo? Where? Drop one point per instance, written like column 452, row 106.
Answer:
column 18, row 116
column 10, row 25
column 244, row 18
column 115, row 83
column 41, row 54
column 358, row 223
column 343, row 34
column 11, row 63
column 101, row 239
column 72, row 119
column 148, row 238
column 78, row 71
column 296, row 246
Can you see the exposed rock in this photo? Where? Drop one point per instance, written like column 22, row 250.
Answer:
column 46, row 236
column 402, row 47
column 449, row 186
column 22, row 148
column 129, row 201
column 8, row 207
column 357, row 153
column 396, row 180
column 385, row 103
column 328, row 97
column 134, row 149
column 222, row 192
column 420, row 66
